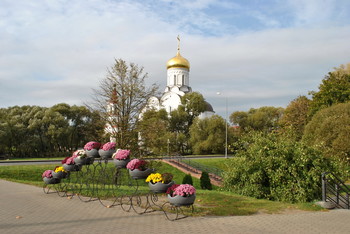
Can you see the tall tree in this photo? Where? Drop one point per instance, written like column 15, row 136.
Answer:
column 208, row 135
column 181, row 119
column 262, row 119
column 329, row 129
column 121, row 96
column 335, row 88
column 295, row 117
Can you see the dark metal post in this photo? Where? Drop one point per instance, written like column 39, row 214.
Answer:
column 324, row 186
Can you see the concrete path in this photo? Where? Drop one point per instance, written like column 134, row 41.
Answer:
column 26, row 209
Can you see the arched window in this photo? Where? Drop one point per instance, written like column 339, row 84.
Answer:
column 183, row 79
column 174, row 79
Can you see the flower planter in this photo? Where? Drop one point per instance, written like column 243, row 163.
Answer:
column 137, row 174
column 59, row 175
column 51, row 180
column 71, row 167
column 181, row 201
column 92, row 153
column 159, row 187
column 106, row 154
column 80, row 161
column 121, row 163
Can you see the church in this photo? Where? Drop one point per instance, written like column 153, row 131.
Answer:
column 178, row 84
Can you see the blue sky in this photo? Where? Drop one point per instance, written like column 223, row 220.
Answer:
column 256, row 53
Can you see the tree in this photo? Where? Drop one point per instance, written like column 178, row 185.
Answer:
column 205, row 181
column 120, row 98
column 181, row 119
column 153, row 129
column 295, row 117
column 335, row 88
column 207, row 136
column 329, row 129
column 273, row 167
column 262, row 119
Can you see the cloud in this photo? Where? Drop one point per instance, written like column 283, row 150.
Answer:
column 268, row 54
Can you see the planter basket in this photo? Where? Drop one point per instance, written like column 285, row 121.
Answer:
column 59, row 175
column 121, row 163
column 51, row 180
column 106, row 154
column 92, row 153
column 71, row 167
column 159, row 187
column 181, row 201
column 80, row 161
column 137, row 174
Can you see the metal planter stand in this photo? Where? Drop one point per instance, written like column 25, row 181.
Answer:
column 113, row 186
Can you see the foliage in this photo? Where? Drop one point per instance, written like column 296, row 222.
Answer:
column 335, row 88
column 187, row 179
column 262, row 119
column 33, row 131
column 329, row 129
column 272, row 167
column 295, row 117
column 181, row 119
column 153, row 129
column 205, row 181
column 124, row 90
column 207, row 136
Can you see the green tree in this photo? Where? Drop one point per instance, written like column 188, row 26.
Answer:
column 181, row 119
column 295, row 117
column 273, row 167
column 262, row 119
column 208, row 135
column 205, row 181
column 335, row 88
column 124, row 90
column 329, row 129
column 187, row 179
column 153, row 129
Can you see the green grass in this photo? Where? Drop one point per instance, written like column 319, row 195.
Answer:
column 214, row 203
column 213, row 162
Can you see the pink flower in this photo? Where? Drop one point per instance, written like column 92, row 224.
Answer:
column 47, row 173
column 108, row 146
column 137, row 164
column 70, row 160
column 121, row 154
column 171, row 189
column 92, row 145
column 184, row 190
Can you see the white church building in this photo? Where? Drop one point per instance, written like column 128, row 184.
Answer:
column 178, row 84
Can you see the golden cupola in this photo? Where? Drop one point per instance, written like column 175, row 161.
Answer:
column 178, row 60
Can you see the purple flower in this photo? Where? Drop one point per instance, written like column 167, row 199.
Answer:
column 92, row 145
column 108, row 146
column 47, row 173
column 121, row 154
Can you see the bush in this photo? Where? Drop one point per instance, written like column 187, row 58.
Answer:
column 271, row 167
column 205, row 181
column 187, row 179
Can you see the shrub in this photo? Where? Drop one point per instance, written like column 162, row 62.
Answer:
column 187, row 179
column 205, row 181
column 271, row 167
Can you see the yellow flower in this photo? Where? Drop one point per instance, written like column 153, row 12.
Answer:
column 58, row 169
column 154, row 178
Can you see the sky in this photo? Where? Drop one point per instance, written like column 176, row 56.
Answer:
column 253, row 52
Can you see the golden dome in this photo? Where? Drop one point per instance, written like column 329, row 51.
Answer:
column 178, row 61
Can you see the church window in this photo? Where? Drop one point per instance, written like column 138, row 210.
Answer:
column 174, row 79
column 183, row 79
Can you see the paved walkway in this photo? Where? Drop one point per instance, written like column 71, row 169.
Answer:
column 26, row 209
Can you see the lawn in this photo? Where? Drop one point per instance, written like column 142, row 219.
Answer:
column 214, row 202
